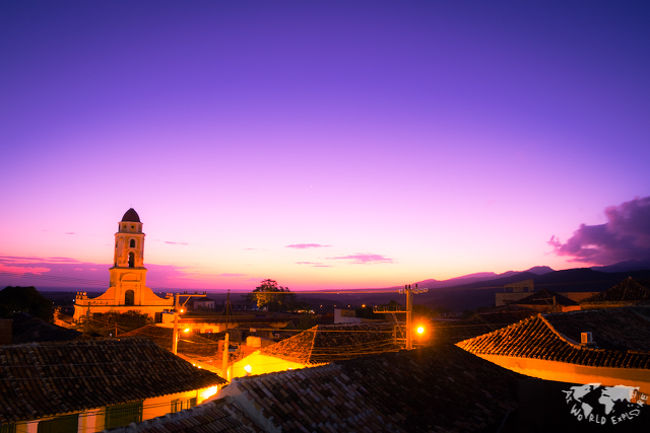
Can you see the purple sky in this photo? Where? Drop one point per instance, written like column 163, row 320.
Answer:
column 322, row 144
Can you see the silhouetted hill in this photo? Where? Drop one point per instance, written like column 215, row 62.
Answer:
column 627, row 266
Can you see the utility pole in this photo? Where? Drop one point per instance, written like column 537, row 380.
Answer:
column 409, row 291
column 409, row 316
column 226, row 356
column 177, row 310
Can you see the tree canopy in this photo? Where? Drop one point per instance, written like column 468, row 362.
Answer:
column 270, row 296
column 26, row 300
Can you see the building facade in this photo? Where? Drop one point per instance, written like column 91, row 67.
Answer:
column 128, row 290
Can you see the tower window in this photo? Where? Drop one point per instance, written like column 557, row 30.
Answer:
column 132, row 243
column 131, row 260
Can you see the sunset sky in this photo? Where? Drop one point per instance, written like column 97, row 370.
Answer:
column 324, row 144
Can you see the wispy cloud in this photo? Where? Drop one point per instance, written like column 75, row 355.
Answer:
column 227, row 274
column 363, row 259
column 36, row 260
column 175, row 243
column 625, row 236
column 70, row 233
column 315, row 264
column 22, row 270
column 305, row 246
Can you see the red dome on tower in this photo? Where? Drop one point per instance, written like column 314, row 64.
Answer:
column 131, row 215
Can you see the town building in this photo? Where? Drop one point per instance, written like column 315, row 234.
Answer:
column 91, row 385
column 607, row 346
column 128, row 290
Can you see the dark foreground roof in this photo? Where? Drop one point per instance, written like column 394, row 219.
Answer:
column 433, row 389
column 327, row 343
column 620, row 335
column 43, row 379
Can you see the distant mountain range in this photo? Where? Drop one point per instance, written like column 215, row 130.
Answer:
column 590, row 278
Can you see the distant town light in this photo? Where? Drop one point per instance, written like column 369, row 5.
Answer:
column 186, row 330
column 182, row 310
column 420, row 330
column 248, row 368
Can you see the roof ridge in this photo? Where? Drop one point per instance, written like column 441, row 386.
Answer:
column 572, row 343
column 512, row 325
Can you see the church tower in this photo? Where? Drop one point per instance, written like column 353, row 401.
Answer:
column 128, row 290
column 128, row 273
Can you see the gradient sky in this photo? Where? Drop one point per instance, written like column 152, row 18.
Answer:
column 322, row 144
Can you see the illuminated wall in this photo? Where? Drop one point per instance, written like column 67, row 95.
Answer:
column 94, row 419
column 257, row 363
column 567, row 372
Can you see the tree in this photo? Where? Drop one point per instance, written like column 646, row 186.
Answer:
column 270, row 296
column 26, row 300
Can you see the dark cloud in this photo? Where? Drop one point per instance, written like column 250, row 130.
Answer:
column 625, row 236
column 304, row 246
column 362, row 259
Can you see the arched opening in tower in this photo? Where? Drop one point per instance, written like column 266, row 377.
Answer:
column 129, row 297
column 131, row 260
column 132, row 243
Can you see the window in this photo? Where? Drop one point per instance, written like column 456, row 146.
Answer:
column 7, row 428
column 182, row 404
column 131, row 260
column 123, row 414
column 132, row 243
column 129, row 297
column 61, row 424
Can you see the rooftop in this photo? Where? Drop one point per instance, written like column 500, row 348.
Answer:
column 627, row 290
column 556, row 337
column 545, row 297
column 44, row 379
column 435, row 389
column 327, row 343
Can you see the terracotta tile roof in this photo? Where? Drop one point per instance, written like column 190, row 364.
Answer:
column 191, row 345
column 538, row 337
column 434, row 389
column 545, row 297
column 43, row 379
column 214, row 417
column 484, row 321
column 627, row 290
column 327, row 343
